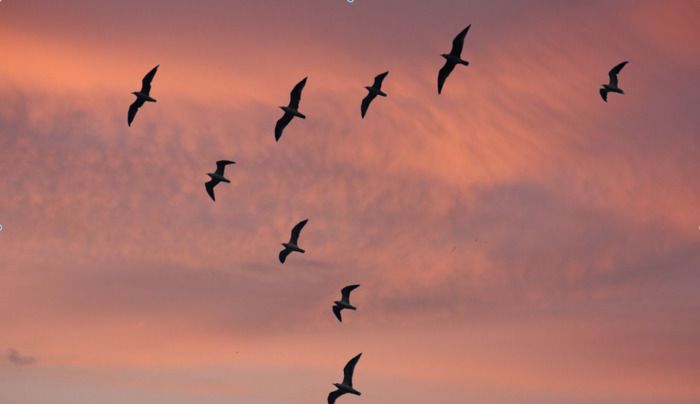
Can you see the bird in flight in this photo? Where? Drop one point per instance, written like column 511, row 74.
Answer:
column 143, row 95
column 453, row 58
column 344, row 302
column 217, row 177
column 293, row 240
column 346, row 385
column 374, row 91
column 612, row 87
column 291, row 110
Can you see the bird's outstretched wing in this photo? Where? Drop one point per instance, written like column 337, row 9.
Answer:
column 133, row 109
column 365, row 103
column 378, row 80
column 444, row 72
column 295, row 95
column 210, row 188
column 604, row 94
column 458, row 42
column 294, row 239
column 147, row 79
column 345, row 292
column 334, row 396
column 221, row 165
column 336, row 311
column 614, row 72
column 283, row 255
column 281, row 124
column 349, row 369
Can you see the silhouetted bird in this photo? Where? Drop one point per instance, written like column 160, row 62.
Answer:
column 344, row 302
column 293, row 240
column 217, row 177
column 291, row 110
column 612, row 86
column 143, row 95
column 346, row 385
column 374, row 91
column 453, row 58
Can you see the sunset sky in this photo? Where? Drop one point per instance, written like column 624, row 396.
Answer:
column 517, row 240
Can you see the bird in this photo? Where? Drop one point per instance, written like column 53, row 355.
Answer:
column 346, row 385
column 344, row 302
column 143, row 95
column 291, row 110
column 374, row 91
column 217, row 177
column 293, row 240
column 612, row 87
column 453, row 58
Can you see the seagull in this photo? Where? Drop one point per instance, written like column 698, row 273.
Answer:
column 217, row 177
column 291, row 110
column 374, row 91
column 143, row 95
column 612, row 86
column 344, row 302
column 453, row 58
column 346, row 385
column 293, row 240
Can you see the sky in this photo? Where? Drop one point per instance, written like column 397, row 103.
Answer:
column 516, row 239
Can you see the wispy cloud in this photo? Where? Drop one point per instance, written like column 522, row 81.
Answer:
column 14, row 357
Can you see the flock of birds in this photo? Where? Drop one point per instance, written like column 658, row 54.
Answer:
column 291, row 111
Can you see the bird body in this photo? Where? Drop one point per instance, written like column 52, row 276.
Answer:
column 142, row 96
column 344, row 302
column 346, row 386
column 347, row 389
column 612, row 86
column 374, row 90
column 217, row 177
column 293, row 244
column 294, row 112
column 453, row 58
column 291, row 110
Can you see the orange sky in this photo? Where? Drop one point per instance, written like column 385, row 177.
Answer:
column 517, row 240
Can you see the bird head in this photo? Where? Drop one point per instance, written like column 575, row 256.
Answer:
column 445, row 55
column 136, row 93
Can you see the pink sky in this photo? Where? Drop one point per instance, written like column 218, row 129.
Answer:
column 517, row 240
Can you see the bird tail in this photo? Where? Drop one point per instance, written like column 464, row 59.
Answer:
column 463, row 62
column 300, row 115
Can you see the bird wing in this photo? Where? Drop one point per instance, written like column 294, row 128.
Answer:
column 444, row 72
column 365, row 103
column 349, row 369
column 458, row 42
column 345, row 292
column 210, row 188
column 221, row 165
column 378, row 80
column 295, row 95
column 336, row 311
column 146, row 82
column 283, row 255
column 133, row 108
column 296, row 230
column 281, row 124
column 334, row 396
column 613, row 73
column 604, row 94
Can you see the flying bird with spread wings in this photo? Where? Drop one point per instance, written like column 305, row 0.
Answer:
column 374, row 91
column 291, row 110
column 217, row 177
column 346, row 386
column 142, row 96
column 344, row 302
column 292, row 245
column 612, row 87
column 453, row 58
